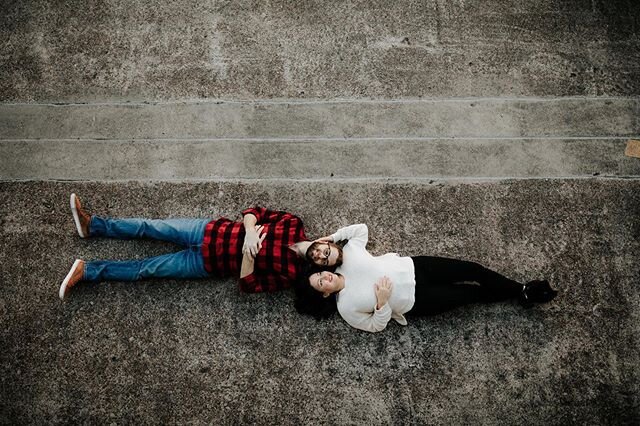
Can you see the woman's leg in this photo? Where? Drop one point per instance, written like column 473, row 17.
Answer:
column 185, row 232
column 441, row 285
column 184, row 264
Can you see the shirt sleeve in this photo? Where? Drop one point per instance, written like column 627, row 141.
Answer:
column 368, row 321
column 354, row 233
column 264, row 215
column 262, row 283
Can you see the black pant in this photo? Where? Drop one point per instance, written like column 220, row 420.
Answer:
column 439, row 285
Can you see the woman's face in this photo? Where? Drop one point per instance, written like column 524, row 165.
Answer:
column 325, row 282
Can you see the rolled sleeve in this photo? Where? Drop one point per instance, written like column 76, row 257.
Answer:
column 264, row 215
column 258, row 212
column 248, row 284
column 260, row 283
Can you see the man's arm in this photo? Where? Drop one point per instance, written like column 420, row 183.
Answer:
column 252, row 243
column 250, row 221
column 248, row 263
column 248, row 259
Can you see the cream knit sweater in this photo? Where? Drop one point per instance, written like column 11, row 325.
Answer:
column 357, row 300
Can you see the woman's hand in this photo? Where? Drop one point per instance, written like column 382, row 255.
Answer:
column 383, row 291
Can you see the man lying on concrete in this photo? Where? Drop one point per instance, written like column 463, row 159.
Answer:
column 267, row 250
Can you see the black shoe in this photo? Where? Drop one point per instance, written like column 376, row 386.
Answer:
column 536, row 292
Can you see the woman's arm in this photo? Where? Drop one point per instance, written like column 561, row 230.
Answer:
column 383, row 291
column 359, row 233
column 368, row 321
column 376, row 320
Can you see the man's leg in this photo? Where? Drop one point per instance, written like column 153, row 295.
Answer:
column 185, row 232
column 185, row 264
column 181, row 265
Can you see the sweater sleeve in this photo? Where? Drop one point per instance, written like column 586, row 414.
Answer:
column 354, row 233
column 368, row 321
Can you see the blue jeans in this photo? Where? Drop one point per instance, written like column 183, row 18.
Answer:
column 187, row 263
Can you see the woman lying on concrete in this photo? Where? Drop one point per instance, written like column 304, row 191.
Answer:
column 368, row 291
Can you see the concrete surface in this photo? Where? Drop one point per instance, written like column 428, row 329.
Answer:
column 406, row 118
column 329, row 160
column 79, row 50
column 470, row 138
column 201, row 352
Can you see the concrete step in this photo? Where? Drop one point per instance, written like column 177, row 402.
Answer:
column 162, row 350
column 330, row 160
column 467, row 138
column 290, row 119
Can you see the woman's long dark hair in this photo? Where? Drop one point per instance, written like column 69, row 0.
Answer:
column 310, row 301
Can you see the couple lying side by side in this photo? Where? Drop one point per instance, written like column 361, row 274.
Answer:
column 269, row 251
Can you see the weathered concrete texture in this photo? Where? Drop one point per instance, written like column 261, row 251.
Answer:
column 201, row 352
column 82, row 50
column 339, row 139
column 518, row 117
column 313, row 159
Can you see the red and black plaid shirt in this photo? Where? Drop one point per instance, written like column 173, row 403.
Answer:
column 276, row 267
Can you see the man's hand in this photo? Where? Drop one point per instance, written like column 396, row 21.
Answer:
column 253, row 240
column 383, row 291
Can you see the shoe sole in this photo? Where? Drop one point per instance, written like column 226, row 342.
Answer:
column 76, row 217
column 63, row 286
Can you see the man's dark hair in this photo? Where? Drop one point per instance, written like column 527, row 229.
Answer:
column 309, row 301
column 315, row 244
